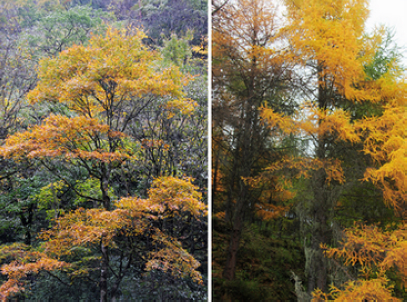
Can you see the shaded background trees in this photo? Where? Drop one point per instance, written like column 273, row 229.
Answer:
column 249, row 71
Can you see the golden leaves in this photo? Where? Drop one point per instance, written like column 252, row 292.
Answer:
column 385, row 141
column 69, row 138
column 273, row 119
column 184, row 106
column 360, row 290
column 112, row 68
column 25, row 262
column 301, row 167
column 169, row 196
column 330, row 32
column 376, row 251
column 314, row 122
column 174, row 259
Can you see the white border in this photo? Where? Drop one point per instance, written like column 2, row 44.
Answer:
column 209, row 150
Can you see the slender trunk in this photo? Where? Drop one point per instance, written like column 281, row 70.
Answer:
column 103, row 272
column 317, row 269
column 231, row 260
column 316, row 263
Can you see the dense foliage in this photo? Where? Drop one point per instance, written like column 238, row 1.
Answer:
column 103, row 151
column 309, row 127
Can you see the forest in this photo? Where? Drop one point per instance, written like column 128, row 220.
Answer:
column 104, row 141
column 309, row 145
column 103, row 150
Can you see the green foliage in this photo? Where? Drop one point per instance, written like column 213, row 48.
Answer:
column 90, row 187
column 177, row 50
column 269, row 251
column 58, row 30
column 384, row 57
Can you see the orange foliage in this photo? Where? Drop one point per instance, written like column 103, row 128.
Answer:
column 24, row 262
column 169, row 196
column 69, row 138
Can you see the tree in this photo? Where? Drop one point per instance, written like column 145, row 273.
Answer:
column 337, row 61
column 351, row 106
column 249, row 70
column 134, row 229
column 103, row 88
column 379, row 251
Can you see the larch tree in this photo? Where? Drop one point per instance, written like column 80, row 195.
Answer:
column 333, row 54
column 249, row 70
column 379, row 251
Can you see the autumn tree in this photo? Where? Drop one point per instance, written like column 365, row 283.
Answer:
column 249, row 71
column 103, row 88
column 334, row 55
column 350, row 95
column 135, row 230
column 29, row 30
column 378, row 251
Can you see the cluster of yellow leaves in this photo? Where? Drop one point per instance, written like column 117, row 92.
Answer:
column 168, row 196
column 316, row 123
column 184, row 106
column 277, row 120
column 85, row 228
column 302, row 167
column 321, row 123
column 375, row 251
column 177, row 196
column 132, row 217
column 69, row 138
column 112, row 69
column 24, row 262
column 386, row 143
column 331, row 33
column 174, row 259
column 360, row 290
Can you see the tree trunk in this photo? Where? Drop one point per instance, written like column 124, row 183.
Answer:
column 103, row 272
column 231, row 260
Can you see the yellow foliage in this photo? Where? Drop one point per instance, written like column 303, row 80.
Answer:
column 111, row 70
column 70, row 138
column 385, row 141
column 184, row 106
column 324, row 122
column 361, row 290
column 25, row 262
column 331, row 33
column 376, row 251
column 284, row 123
column 302, row 167
column 169, row 196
